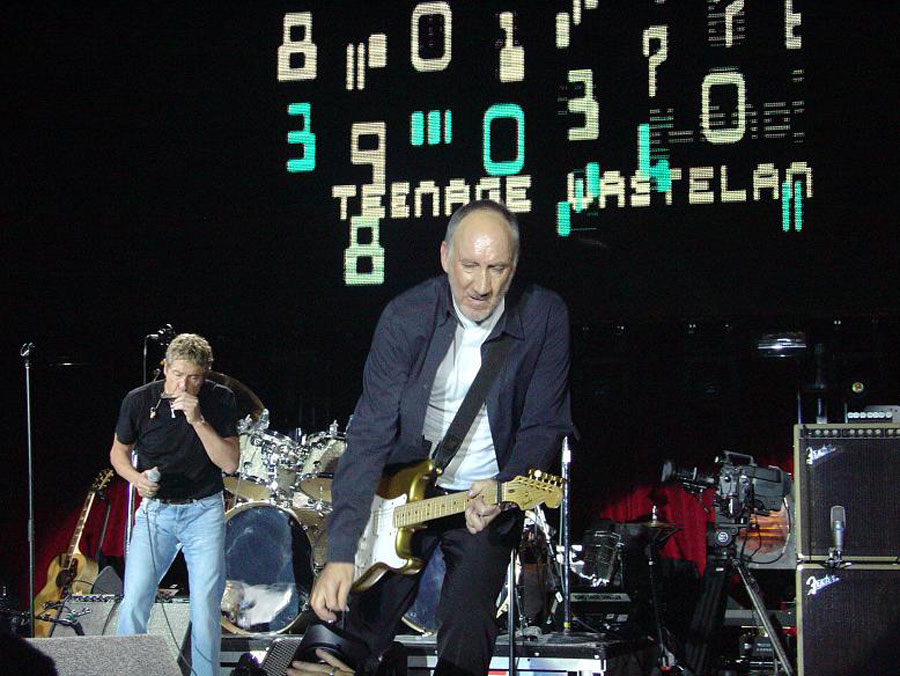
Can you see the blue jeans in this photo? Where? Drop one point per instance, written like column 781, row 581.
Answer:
column 160, row 530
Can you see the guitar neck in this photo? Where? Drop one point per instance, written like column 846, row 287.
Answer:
column 79, row 527
column 435, row 508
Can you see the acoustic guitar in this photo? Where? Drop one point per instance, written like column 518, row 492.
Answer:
column 71, row 572
column 400, row 508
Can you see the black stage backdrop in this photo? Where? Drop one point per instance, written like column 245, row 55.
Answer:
column 689, row 175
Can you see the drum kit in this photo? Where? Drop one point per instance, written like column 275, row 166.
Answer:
column 275, row 542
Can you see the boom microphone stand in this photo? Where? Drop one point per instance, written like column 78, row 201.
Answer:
column 25, row 353
column 162, row 335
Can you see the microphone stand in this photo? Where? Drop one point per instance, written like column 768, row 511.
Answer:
column 166, row 333
column 25, row 353
column 102, row 495
column 511, row 611
column 567, row 635
column 564, row 536
column 129, row 502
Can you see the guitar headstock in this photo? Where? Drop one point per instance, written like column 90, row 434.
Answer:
column 536, row 488
column 102, row 480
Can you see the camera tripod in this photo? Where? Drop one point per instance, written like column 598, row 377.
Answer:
column 722, row 561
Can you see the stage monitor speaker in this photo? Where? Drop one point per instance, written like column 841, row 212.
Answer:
column 857, row 467
column 848, row 619
column 103, row 617
column 144, row 654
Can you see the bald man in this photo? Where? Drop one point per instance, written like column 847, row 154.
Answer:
column 428, row 347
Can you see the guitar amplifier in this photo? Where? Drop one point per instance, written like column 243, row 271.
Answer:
column 848, row 619
column 102, row 617
column 857, row 467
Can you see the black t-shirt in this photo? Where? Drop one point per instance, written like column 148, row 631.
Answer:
column 171, row 443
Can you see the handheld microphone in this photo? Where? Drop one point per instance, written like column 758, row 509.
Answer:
column 155, row 476
column 838, row 525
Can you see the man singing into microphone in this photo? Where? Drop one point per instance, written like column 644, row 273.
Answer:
column 183, row 430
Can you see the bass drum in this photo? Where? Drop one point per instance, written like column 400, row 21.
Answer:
column 269, row 568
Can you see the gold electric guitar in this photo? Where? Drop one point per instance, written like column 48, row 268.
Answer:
column 71, row 572
column 400, row 508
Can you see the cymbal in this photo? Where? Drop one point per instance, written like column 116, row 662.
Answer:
column 247, row 401
column 651, row 521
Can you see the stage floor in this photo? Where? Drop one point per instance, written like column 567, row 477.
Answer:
column 546, row 654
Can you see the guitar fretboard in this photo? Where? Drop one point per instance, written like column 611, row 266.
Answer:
column 432, row 508
column 79, row 528
column 99, row 484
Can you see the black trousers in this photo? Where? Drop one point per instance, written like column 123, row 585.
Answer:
column 476, row 570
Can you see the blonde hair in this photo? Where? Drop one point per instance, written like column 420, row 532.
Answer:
column 190, row 347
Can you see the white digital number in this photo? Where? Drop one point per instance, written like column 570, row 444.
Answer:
column 304, row 46
column 585, row 105
column 422, row 10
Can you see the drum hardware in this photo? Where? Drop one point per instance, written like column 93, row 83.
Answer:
column 660, row 531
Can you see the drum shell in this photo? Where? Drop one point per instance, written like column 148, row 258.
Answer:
column 323, row 451
column 269, row 465
column 270, row 567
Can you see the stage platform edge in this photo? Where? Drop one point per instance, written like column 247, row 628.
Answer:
column 547, row 654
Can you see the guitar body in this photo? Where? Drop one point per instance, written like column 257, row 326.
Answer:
column 400, row 508
column 71, row 572
column 383, row 546
column 77, row 575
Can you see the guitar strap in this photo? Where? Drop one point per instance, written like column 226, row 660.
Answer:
column 491, row 366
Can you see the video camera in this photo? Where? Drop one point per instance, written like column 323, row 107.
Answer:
column 742, row 487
